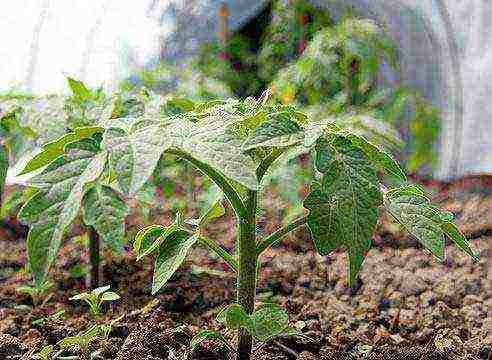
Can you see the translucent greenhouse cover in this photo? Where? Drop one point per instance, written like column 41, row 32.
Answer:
column 97, row 41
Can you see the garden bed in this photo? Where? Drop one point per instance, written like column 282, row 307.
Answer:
column 405, row 306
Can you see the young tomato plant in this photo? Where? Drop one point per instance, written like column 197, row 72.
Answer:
column 73, row 180
column 235, row 143
column 96, row 297
column 38, row 293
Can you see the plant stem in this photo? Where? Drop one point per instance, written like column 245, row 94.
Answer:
column 94, row 257
column 246, row 284
column 4, row 165
column 276, row 236
column 219, row 251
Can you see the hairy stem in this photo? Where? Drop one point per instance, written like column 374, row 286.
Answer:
column 3, row 170
column 94, row 257
column 276, row 236
column 246, row 283
column 219, row 251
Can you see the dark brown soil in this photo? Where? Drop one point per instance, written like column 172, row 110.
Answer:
column 405, row 306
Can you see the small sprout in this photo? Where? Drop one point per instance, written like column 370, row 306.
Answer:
column 96, row 297
column 45, row 319
column 37, row 293
column 46, row 353
column 206, row 335
column 81, row 341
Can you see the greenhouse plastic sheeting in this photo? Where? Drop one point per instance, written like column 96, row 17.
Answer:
column 96, row 41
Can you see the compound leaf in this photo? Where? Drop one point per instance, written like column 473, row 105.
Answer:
column 145, row 238
column 213, row 143
column 53, row 208
column 53, row 150
column 133, row 154
column 427, row 223
column 379, row 156
column 105, row 210
column 279, row 130
column 343, row 209
column 171, row 254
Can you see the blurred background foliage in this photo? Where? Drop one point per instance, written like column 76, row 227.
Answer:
column 329, row 70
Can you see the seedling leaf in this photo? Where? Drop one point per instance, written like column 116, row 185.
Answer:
column 205, row 335
column 343, row 209
column 50, row 211
column 110, row 296
column 268, row 321
column 105, row 210
column 234, row 317
column 172, row 253
column 279, row 130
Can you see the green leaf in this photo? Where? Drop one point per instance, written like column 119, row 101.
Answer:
column 53, row 150
column 379, row 156
column 419, row 217
column 415, row 212
column 454, row 233
column 172, row 253
column 79, row 89
column 343, row 209
column 315, row 130
column 110, row 296
column 268, row 321
column 145, row 238
column 177, row 106
column 50, row 211
column 149, row 239
column 105, row 210
column 134, row 152
column 279, row 130
column 215, row 144
column 205, row 335
column 100, row 290
column 214, row 212
column 81, row 296
column 234, row 317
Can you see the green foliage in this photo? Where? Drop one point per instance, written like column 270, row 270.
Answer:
column 81, row 341
column 105, row 210
column 50, row 211
column 427, row 223
column 293, row 24
column 264, row 324
column 205, row 335
column 96, row 297
column 234, row 143
column 58, row 315
column 46, row 353
column 344, row 207
column 38, row 293
column 4, row 166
